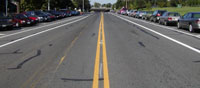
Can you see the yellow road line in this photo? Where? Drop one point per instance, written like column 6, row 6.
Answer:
column 97, row 60
column 101, row 34
column 105, row 63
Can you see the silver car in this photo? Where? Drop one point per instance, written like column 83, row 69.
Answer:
column 169, row 18
column 190, row 21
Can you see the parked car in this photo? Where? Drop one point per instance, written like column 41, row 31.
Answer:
column 5, row 22
column 32, row 16
column 68, row 12
column 155, row 17
column 52, row 17
column 133, row 13
column 169, row 18
column 56, row 14
column 139, row 14
column 190, row 21
column 129, row 12
column 21, row 20
column 147, row 15
column 123, row 11
column 43, row 16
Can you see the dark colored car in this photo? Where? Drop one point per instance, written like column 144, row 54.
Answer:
column 56, row 14
column 5, row 22
column 52, row 17
column 147, row 15
column 32, row 16
column 22, row 20
column 43, row 16
column 68, row 12
column 139, row 14
column 169, row 18
column 190, row 21
column 155, row 17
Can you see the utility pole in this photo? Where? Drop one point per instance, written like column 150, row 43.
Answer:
column 6, row 7
column 126, row 4
column 83, row 6
column 49, row 5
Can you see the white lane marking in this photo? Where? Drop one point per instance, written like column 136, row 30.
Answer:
column 2, row 34
column 167, row 37
column 166, row 27
column 101, row 71
column 38, row 28
column 41, row 32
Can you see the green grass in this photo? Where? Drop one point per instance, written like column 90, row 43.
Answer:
column 182, row 10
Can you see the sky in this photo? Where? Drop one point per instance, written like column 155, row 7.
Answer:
column 103, row 1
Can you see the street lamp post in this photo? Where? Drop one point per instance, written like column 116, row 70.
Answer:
column 6, row 7
column 49, row 5
column 83, row 6
column 126, row 3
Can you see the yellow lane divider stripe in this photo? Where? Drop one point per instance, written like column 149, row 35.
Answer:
column 101, row 34
column 97, row 60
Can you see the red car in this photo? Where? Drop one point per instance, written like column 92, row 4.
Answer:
column 22, row 20
column 32, row 17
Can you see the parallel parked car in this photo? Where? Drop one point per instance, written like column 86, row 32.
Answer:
column 5, row 22
column 155, row 17
column 43, row 16
column 133, row 13
column 169, row 18
column 57, row 14
column 68, row 12
column 139, row 14
column 32, row 16
column 52, row 17
column 129, row 12
column 190, row 20
column 147, row 15
column 22, row 20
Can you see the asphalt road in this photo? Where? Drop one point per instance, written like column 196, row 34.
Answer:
column 99, row 50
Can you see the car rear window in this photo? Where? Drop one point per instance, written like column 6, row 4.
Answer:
column 196, row 15
column 173, row 14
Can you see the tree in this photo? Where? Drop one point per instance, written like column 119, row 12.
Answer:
column 97, row 5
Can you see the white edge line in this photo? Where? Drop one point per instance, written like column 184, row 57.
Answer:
column 9, row 43
column 37, row 28
column 174, row 40
column 2, row 34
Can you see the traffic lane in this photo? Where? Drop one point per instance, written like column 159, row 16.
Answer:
column 77, row 69
column 137, row 59
column 21, row 34
column 35, row 56
column 184, row 38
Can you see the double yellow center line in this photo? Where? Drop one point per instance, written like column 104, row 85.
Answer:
column 101, row 40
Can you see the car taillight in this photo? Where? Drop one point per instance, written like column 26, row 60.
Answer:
column 169, row 19
column 198, row 21
column 158, row 15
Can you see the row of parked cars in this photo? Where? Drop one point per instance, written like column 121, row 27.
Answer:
column 30, row 18
column 189, row 21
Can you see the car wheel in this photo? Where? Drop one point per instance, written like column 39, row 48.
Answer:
column 191, row 29
column 159, row 22
column 154, row 20
column 166, row 24
column 178, row 25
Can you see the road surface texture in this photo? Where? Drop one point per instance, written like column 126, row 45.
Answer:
column 99, row 50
